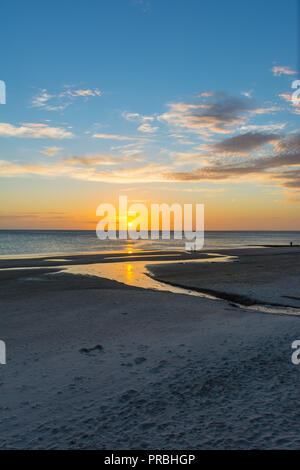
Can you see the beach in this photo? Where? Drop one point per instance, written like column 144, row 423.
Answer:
column 93, row 363
column 256, row 276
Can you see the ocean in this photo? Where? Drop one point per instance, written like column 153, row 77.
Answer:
column 42, row 242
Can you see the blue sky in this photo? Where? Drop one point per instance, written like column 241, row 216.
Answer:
column 107, row 92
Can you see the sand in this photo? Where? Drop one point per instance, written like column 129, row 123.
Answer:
column 256, row 276
column 95, row 364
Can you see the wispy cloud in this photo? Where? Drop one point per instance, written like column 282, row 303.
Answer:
column 248, row 94
column 265, row 110
column 61, row 100
column 147, row 128
column 279, row 70
column 102, row 159
column 145, row 122
column 150, row 172
column 113, row 137
column 34, row 131
column 295, row 104
column 51, row 151
column 41, row 100
column 81, row 92
column 137, row 117
column 272, row 127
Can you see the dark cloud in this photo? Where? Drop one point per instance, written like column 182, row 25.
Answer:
column 290, row 143
column 225, row 112
column 230, row 171
column 214, row 113
column 288, row 179
column 242, row 144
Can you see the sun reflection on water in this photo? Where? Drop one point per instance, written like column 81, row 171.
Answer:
column 129, row 272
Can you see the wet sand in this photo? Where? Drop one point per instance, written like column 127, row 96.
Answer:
column 108, row 257
column 254, row 276
column 257, row 276
column 96, row 364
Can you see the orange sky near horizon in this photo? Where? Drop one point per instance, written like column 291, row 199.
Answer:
column 73, row 206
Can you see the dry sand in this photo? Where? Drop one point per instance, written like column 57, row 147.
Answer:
column 92, row 363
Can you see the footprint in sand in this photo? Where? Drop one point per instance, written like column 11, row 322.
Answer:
column 98, row 347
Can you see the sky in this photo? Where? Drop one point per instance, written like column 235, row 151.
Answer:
column 164, row 101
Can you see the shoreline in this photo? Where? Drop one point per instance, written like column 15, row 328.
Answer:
column 254, row 276
column 75, row 254
column 108, row 256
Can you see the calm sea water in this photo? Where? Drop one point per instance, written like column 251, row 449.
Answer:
column 27, row 242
